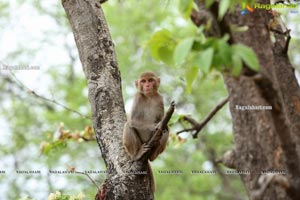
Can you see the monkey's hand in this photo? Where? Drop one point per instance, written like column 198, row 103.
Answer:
column 144, row 148
column 157, row 126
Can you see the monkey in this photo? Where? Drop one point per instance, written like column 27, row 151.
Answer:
column 146, row 113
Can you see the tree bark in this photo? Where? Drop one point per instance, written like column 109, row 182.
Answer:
column 97, row 55
column 264, row 140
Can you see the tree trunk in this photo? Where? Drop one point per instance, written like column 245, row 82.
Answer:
column 97, row 55
column 264, row 140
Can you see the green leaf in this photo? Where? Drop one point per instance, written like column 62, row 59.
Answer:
column 197, row 46
column 247, row 55
column 210, row 42
column 182, row 50
column 223, row 7
column 47, row 149
column 159, row 42
column 223, row 55
column 204, row 59
column 237, row 65
column 195, row 7
column 208, row 3
column 65, row 197
column 166, row 54
column 186, row 7
column 225, row 38
column 190, row 76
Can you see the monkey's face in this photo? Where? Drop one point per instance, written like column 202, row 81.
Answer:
column 148, row 85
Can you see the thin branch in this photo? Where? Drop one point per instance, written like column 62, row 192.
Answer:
column 210, row 115
column 196, row 126
column 228, row 159
column 88, row 139
column 212, row 157
column 166, row 119
column 163, row 125
column 159, row 131
column 186, row 130
column 32, row 92
column 191, row 120
column 93, row 181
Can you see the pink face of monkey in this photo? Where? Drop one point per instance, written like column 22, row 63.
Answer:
column 148, row 83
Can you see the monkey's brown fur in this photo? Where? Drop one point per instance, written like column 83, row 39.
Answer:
column 147, row 111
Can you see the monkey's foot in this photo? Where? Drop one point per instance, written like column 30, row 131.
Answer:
column 144, row 148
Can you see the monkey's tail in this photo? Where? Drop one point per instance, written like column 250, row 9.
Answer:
column 152, row 182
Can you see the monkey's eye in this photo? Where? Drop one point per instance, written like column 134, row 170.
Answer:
column 151, row 80
column 143, row 81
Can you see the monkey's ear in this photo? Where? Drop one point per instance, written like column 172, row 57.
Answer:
column 158, row 82
column 136, row 83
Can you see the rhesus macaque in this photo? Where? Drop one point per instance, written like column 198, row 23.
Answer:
column 147, row 111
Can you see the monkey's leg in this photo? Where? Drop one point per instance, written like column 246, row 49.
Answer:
column 131, row 142
column 159, row 148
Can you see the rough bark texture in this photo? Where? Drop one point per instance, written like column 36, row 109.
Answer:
column 264, row 140
column 97, row 55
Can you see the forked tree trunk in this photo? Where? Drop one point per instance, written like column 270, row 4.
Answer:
column 264, row 140
column 97, row 55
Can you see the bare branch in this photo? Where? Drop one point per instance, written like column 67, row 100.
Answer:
column 186, row 130
column 93, row 181
column 32, row 92
column 159, row 131
column 227, row 159
column 197, row 127
column 88, row 139
column 166, row 119
column 191, row 120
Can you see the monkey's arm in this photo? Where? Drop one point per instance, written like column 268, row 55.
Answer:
column 143, row 149
column 155, row 140
column 134, row 143
column 160, row 147
column 157, row 148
